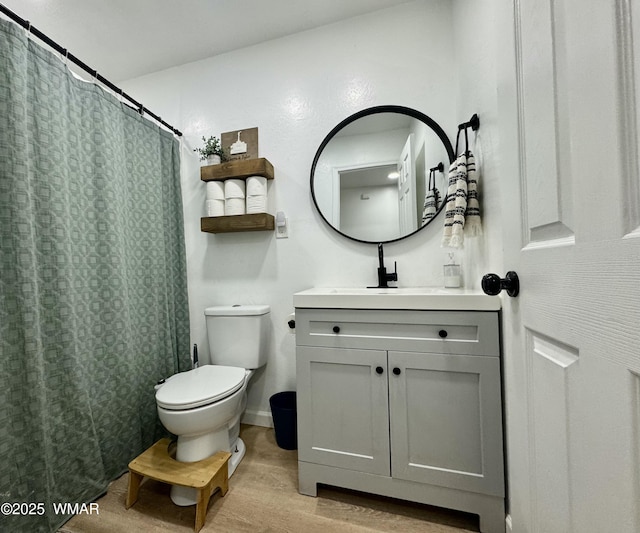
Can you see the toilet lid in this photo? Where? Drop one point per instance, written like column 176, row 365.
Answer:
column 200, row 386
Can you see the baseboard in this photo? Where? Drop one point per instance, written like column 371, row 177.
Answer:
column 509, row 524
column 258, row 418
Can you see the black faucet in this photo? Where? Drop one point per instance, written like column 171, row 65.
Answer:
column 383, row 277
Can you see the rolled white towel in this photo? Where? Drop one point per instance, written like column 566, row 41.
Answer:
column 234, row 188
column 257, row 204
column 234, row 206
column 256, row 186
column 215, row 190
column 215, row 207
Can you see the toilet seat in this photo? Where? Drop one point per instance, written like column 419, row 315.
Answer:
column 200, row 386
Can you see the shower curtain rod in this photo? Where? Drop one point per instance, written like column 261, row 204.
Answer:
column 68, row 55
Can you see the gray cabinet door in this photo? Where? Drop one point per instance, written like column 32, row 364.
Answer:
column 343, row 417
column 446, row 424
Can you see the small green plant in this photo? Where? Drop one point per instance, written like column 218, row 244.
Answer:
column 212, row 146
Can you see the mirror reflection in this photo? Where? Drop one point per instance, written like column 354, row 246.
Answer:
column 380, row 175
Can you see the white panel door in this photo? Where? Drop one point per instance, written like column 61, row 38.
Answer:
column 570, row 198
column 407, row 189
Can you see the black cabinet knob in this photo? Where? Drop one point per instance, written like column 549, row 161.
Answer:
column 443, row 333
column 492, row 284
column 292, row 324
column 396, row 371
column 379, row 370
column 336, row 329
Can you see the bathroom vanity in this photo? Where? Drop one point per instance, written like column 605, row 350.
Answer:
column 399, row 394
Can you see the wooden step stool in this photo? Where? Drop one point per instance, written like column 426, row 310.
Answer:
column 204, row 476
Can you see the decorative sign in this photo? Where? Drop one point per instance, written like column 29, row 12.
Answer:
column 240, row 144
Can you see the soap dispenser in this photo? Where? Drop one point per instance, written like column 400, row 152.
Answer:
column 452, row 273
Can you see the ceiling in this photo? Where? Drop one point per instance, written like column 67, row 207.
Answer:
column 124, row 39
column 368, row 177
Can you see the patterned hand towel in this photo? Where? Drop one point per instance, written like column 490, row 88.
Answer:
column 453, row 235
column 473, row 222
column 431, row 201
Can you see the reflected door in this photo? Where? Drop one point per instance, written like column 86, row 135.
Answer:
column 407, row 189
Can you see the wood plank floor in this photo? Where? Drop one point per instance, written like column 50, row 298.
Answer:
column 263, row 498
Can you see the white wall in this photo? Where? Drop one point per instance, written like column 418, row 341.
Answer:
column 475, row 61
column 295, row 90
column 376, row 217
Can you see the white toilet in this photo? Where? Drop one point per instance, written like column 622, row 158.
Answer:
column 203, row 406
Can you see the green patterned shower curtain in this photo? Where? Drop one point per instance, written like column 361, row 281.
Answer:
column 93, row 299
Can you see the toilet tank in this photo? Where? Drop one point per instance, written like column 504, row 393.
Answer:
column 238, row 335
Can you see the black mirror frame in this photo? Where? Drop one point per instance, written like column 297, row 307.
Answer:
column 372, row 111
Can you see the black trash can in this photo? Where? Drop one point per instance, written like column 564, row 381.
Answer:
column 284, row 412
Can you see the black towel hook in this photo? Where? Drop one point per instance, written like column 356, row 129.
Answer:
column 466, row 139
column 474, row 123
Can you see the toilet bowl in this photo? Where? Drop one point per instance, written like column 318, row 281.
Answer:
column 203, row 406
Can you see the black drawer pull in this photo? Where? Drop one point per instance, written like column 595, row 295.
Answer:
column 336, row 329
column 379, row 370
column 443, row 333
column 396, row 371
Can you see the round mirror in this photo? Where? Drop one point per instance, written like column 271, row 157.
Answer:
column 381, row 174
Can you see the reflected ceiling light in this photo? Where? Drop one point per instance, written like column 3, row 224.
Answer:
column 393, row 175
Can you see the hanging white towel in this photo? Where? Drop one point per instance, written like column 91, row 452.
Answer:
column 430, row 208
column 473, row 222
column 462, row 212
column 453, row 235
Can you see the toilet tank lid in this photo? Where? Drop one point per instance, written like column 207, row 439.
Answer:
column 236, row 310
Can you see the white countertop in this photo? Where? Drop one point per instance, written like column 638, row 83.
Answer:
column 418, row 298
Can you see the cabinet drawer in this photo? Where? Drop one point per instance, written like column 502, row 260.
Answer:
column 446, row 332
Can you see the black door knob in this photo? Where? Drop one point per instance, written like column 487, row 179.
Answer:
column 379, row 370
column 443, row 333
column 336, row 329
column 396, row 371
column 492, row 284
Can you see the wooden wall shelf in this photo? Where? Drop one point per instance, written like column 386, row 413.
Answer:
column 234, row 223
column 237, row 169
